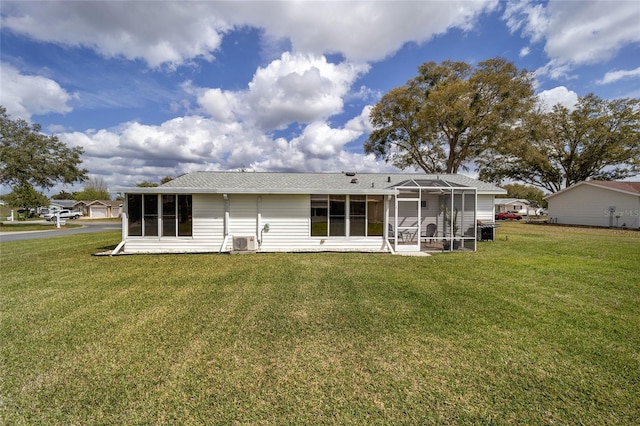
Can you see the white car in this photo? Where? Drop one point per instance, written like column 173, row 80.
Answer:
column 62, row 214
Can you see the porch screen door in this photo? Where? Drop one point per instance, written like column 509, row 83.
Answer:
column 407, row 235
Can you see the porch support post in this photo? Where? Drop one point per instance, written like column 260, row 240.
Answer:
column 385, row 228
column 226, row 223
column 159, row 208
column 451, row 233
column 259, row 221
column 475, row 219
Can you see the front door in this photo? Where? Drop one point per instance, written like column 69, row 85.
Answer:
column 407, row 219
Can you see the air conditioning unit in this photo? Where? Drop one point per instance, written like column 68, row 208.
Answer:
column 244, row 243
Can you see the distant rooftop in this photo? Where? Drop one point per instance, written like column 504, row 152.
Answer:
column 633, row 187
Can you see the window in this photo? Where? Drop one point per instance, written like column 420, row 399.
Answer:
column 143, row 215
column 185, row 219
column 329, row 215
column 375, row 215
column 169, row 215
column 319, row 216
column 337, row 219
column 150, row 213
column 357, row 215
column 134, row 207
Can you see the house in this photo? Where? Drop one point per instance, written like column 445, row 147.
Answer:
column 56, row 205
column 514, row 205
column 597, row 203
column 270, row 212
column 102, row 209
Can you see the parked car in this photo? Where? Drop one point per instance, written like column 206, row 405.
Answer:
column 508, row 216
column 541, row 212
column 63, row 214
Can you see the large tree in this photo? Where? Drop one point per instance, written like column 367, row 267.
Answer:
column 599, row 139
column 30, row 158
column 26, row 196
column 449, row 114
column 95, row 188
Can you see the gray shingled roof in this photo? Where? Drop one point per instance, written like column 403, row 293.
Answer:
column 303, row 183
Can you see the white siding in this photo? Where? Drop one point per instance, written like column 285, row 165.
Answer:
column 208, row 217
column 486, row 208
column 589, row 205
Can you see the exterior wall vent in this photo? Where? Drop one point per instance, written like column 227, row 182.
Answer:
column 244, row 243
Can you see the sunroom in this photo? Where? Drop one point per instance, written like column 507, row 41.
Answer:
column 433, row 215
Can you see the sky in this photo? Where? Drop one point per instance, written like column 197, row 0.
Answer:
column 151, row 89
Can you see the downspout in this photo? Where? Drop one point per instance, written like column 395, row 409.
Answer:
column 226, row 223
column 125, row 228
column 259, row 221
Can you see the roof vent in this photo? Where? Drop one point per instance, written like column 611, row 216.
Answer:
column 350, row 173
column 388, row 178
column 354, row 180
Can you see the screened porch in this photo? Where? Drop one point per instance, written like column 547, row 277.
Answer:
column 433, row 215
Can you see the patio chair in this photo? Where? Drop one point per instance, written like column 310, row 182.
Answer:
column 429, row 232
column 392, row 234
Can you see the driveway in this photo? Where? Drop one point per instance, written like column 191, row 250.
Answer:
column 87, row 227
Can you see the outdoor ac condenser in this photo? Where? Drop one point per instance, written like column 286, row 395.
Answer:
column 244, row 243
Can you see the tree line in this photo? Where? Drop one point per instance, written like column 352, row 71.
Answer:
column 453, row 116
column 30, row 159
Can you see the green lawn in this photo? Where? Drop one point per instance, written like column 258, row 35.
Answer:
column 539, row 328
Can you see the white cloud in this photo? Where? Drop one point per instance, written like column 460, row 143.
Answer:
column 360, row 30
column 158, row 32
column 576, row 33
column 531, row 18
column 591, row 32
column 361, row 123
column 217, row 103
column 294, row 88
column 176, row 32
column 613, row 76
column 137, row 152
column 558, row 95
column 26, row 95
column 298, row 88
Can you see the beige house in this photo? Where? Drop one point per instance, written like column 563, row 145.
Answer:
column 102, row 209
column 597, row 203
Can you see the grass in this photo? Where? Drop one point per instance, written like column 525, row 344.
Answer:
column 541, row 326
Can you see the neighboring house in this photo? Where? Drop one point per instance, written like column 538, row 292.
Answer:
column 597, row 203
column 268, row 212
column 101, row 209
column 514, row 205
column 82, row 206
column 55, row 205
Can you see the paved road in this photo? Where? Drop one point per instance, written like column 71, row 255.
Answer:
column 87, row 227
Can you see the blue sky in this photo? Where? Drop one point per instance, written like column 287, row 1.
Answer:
column 153, row 89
